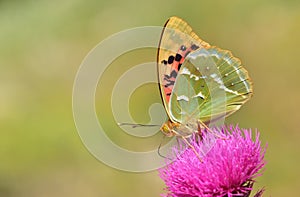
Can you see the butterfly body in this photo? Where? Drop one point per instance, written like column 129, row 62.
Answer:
column 199, row 83
column 171, row 129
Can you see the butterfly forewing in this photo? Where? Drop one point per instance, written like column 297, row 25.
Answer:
column 177, row 41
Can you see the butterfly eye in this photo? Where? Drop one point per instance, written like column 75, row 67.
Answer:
column 165, row 129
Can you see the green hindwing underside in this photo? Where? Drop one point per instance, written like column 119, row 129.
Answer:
column 211, row 84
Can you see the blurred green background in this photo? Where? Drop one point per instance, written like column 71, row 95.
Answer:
column 42, row 44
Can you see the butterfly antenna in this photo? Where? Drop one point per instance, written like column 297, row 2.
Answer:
column 138, row 125
column 158, row 149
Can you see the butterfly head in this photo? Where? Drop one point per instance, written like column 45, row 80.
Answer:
column 169, row 128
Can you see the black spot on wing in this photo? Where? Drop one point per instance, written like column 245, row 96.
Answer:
column 194, row 47
column 171, row 59
column 178, row 57
column 171, row 83
column 173, row 74
column 168, row 77
column 183, row 48
column 179, row 66
column 164, row 62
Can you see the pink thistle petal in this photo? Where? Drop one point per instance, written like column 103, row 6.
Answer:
column 228, row 168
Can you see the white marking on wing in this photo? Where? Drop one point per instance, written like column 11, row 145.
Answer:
column 222, row 86
column 214, row 53
column 199, row 95
column 195, row 55
column 185, row 71
column 242, row 79
column 228, row 90
column 195, row 76
column 231, row 63
column 228, row 60
column 213, row 75
column 216, row 78
column 182, row 97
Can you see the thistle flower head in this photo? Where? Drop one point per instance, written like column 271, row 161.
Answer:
column 227, row 168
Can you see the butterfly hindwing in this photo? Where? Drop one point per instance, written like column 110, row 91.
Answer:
column 211, row 84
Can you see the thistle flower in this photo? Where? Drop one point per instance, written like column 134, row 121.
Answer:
column 228, row 166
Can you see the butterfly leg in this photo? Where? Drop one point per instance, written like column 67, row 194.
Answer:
column 159, row 147
column 184, row 138
column 200, row 123
column 192, row 147
column 199, row 130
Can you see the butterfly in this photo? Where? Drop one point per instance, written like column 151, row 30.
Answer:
column 199, row 83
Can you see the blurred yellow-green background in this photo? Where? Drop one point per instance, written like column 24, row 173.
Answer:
column 42, row 44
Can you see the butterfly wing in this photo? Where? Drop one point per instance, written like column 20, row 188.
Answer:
column 211, row 84
column 177, row 41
